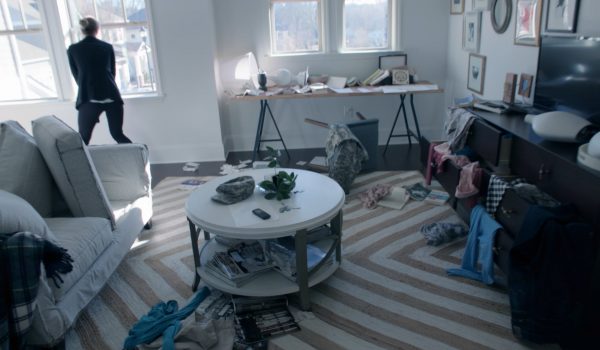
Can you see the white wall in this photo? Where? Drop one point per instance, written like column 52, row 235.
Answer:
column 503, row 56
column 242, row 26
column 182, row 125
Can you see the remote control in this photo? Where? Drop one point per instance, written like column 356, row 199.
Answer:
column 261, row 213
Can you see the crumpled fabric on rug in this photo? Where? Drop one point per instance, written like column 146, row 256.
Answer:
column 370, row 197
column 211, row 334
column 442, row 232
column 345, row 155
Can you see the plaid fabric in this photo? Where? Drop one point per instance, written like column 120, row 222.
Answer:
column 21, row 257
column 496, row 189
column 22, row 253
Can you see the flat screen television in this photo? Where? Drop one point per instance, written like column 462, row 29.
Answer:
column 568, row 76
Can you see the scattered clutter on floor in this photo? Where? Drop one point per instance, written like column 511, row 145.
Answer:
column 442, row 232
column 191, row 166
column 395, row 197
column 190, row 184
column 227, row 169
column 220, row 322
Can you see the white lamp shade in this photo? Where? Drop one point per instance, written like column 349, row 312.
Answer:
column 240, row 69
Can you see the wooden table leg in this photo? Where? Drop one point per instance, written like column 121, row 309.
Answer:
column 302, row 270
column 336, row 229
column 194, row 233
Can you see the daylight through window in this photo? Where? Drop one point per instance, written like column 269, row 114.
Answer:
column 27, row 72
column 124, row 24
column 366, row 24
column 295, row 26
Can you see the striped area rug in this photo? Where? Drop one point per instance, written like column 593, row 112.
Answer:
column 391, row 291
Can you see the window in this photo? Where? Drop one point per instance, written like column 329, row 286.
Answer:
column 124, row 24
column 35, row 34
column 300, row 26
column 295, row 26
column 366, row 24
column 27, row 72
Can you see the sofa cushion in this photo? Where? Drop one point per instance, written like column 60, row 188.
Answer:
column 17, row 215
column 85, row 239
column 69, row 162
column 23, row 170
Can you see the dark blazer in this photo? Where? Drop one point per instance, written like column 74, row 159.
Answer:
column 92, row 63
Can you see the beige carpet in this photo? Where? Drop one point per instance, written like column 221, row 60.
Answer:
column 391, row 291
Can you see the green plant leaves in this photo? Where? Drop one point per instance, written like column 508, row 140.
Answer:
column 281, row 187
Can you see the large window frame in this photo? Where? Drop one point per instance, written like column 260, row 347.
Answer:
column 60, row 30
column 320, row 28
column 391, row 26
column 26, row 29
column 332, row 30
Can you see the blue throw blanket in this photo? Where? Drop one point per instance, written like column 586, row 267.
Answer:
column 163, row 319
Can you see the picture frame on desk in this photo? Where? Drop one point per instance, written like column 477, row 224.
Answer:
column 476, row 73
column 457, row 7
column 471, row 31
column 393, row 61
column 561, row 16
column 527, row 24
column 525, row 85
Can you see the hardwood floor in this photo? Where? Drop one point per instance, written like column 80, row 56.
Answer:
column 397, row 157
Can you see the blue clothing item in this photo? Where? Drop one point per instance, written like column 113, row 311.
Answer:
column 163, row 319
column 479, row 248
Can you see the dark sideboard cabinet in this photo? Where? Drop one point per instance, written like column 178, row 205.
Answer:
column 507, row 144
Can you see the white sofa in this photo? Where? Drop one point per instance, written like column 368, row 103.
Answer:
column 94, row 202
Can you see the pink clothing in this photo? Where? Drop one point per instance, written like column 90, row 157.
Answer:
column 470, row 179
column 374, row 195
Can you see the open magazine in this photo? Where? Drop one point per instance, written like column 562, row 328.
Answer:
column 257, row 319
column 239, row 263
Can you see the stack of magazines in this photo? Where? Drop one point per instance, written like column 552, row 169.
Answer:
column 257, row 319
column 282, row 251
column 239, row 263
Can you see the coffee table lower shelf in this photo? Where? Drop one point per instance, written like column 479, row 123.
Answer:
column 265, row 284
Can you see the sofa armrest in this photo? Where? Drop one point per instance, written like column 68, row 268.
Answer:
column 124, row 170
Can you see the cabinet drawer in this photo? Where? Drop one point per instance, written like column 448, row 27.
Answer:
column 449, row 177
column 511, row 212
column 424, row 152
column 503, row 242
column 486, row 141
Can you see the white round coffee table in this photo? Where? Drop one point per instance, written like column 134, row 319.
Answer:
column 318, row 201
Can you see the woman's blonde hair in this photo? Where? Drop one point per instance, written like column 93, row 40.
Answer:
column 89, row 25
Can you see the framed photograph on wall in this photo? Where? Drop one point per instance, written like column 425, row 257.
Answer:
column 527, row 24
column 476, row 73
column 457, row 7
column 482, row 5
column 471, row 31
column 561, row 16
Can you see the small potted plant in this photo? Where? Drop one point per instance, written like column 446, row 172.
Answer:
column 281, row 184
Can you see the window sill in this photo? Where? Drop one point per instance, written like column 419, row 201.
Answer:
column 334, row 55
column 133, row 97
column 157, row 96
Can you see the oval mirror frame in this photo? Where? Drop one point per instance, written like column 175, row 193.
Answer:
column 500, row 25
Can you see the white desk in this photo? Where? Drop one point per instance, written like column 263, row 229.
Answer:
column 401, row 91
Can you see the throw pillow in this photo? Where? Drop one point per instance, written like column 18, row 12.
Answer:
column 69, row 162
column 23, row 170
column 16, row 215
